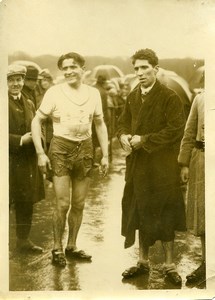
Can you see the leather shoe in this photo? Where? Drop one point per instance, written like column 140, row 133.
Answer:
column 198, row 274
column 174, row 277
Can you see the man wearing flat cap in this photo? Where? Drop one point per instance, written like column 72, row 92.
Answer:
column 30, row 84
column 25, row 181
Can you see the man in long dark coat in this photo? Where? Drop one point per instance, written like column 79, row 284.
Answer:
column 30, row 83
column 25, row 182
column 150, row 129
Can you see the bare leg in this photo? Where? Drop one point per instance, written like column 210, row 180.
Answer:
column 61, row 207
column 143, row 251
column 168, row 248
column 169, row 266
column 143, row 263
column 79, row 193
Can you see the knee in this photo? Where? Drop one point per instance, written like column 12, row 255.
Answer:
column 78, row 205
column 62, row 204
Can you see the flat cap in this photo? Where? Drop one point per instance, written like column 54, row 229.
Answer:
column 14, row 69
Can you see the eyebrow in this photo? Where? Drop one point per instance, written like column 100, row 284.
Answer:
column 71, row 66
column 143, row 66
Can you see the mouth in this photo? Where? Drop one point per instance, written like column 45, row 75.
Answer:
column 70, row 77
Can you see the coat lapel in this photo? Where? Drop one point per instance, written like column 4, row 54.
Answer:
column 28, row 111
column 146, row 106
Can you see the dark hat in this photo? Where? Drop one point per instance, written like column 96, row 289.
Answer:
column 32, row 73
column 15, row 69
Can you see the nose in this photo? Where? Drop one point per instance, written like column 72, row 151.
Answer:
column 139, row 72
column 15, row 82
column 68, row 70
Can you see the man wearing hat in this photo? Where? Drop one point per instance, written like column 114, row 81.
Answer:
column 25, row 181
column 30, row 83
column 45, row 81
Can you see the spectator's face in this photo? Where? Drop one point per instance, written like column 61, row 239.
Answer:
column 15, row 84
column 145, row 72
column 112, row 91
column 72, row 72
column 125, row 90
column 45, row 83
column 31, row 83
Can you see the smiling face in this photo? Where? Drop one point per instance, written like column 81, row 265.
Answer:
column 72, row 72
column 15, row 84
column 145, row 72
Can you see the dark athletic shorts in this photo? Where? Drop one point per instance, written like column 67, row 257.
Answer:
column 71, row 158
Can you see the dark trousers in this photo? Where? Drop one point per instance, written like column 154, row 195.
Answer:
column 24, row 212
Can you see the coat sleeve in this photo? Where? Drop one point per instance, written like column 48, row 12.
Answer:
column 124, row 121
column 14, row 142
column 173, row 130
column 189, row 138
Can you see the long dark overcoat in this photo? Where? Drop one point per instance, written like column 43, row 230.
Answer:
column 25, row 181
column 152, row 199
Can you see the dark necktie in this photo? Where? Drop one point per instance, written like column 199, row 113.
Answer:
column 19, row 102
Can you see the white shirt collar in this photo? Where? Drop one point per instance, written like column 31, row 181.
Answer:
column 17, row 97
column 145, row 91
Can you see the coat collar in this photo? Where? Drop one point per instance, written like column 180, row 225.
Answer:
column 150, row 99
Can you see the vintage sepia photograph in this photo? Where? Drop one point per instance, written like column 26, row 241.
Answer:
column 107, row 149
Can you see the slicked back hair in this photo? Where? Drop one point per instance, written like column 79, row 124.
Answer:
column 77, row 58
column 146, row 54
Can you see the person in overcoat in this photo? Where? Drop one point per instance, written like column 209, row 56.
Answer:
column 30, row 83
column 192, row 161
column 25, row 181
column 150, row 130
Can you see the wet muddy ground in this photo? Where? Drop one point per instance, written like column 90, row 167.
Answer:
column 100, row 236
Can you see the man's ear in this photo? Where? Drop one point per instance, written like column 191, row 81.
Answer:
column 156, row 68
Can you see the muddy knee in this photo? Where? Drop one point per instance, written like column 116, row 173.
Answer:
column 62, row 204
column 78, row 205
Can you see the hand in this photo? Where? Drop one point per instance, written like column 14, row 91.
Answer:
column 43, row 163
column 104, row 166
column 136, row 142
column 27, row 138
column 125, row 142
column 184, row 174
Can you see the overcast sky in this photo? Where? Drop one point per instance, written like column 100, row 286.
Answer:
column 173, row 28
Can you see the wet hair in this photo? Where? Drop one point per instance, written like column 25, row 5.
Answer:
column 146, row 54
column 77, row 58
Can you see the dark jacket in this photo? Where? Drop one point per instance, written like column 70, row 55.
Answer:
column 25, row 181
column 152, row 172
column 29, row 94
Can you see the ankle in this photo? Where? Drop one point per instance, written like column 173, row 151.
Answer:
column 71, row 248
column 144, row 262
